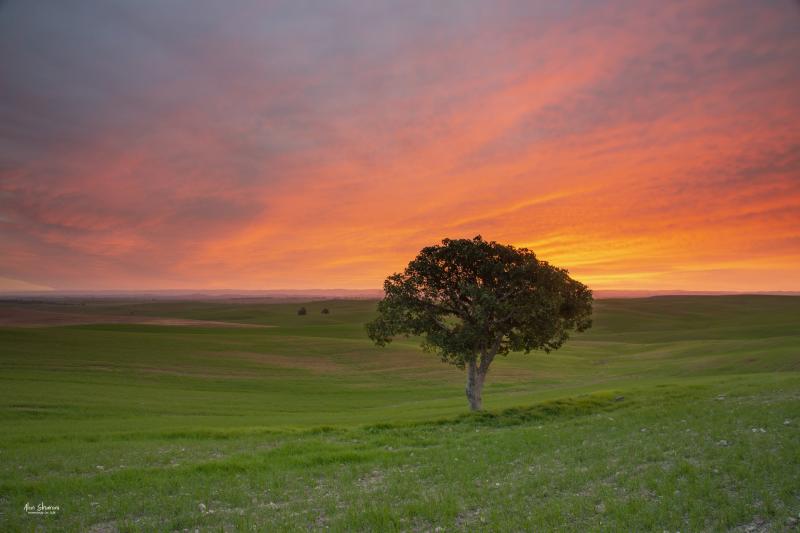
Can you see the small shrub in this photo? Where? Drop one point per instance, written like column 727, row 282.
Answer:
column 302, row 311
column 326, row 311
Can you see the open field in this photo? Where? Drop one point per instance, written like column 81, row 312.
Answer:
column 671, row 413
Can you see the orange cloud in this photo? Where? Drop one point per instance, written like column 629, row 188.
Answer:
column 642, row 147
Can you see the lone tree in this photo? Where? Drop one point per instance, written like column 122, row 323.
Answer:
column 325, row 311
column 471, row 299
column 302, row 311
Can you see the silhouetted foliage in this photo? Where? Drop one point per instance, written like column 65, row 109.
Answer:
column 471, row 299
column 302, row 311
column 325, row 311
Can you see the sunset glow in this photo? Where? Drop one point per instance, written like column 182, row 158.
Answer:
column 164, row 145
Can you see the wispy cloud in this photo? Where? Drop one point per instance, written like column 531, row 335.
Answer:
column 190, row 144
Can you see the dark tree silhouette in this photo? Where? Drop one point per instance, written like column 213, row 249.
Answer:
column 325, row 311
column 471, row 299
column 302, row 311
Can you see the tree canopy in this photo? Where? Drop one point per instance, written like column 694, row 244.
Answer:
column 471, row 299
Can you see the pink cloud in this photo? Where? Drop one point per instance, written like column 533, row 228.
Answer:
column 642, row 146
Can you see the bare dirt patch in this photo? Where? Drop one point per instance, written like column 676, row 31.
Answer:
column 104, row 527
column 319, row 365
column 371, row 481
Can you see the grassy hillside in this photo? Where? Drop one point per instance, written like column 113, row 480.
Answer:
column 644, row 422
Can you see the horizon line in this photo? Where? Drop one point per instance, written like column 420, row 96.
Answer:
column 362, row 291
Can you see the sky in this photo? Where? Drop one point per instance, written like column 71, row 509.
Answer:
column 272, row 145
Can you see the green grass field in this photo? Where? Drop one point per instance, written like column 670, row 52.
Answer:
column 671, row 413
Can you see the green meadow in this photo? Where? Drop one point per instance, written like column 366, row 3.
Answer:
column 670, row 414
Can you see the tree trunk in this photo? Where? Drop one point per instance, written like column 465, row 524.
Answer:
column 475, row 379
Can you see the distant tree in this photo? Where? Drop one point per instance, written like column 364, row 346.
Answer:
column 471, row 299
column 302, row 311
column 325, row 311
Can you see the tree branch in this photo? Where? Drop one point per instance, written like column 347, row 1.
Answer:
column 488, row 355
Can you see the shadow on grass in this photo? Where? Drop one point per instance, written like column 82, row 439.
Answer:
column 564, row 407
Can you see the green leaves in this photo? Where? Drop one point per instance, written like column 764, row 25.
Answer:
column 471, row 298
